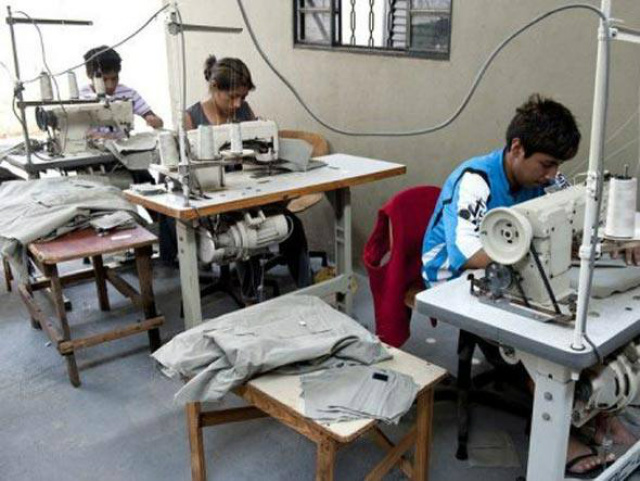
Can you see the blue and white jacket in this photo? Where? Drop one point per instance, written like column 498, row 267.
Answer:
column 452, row 237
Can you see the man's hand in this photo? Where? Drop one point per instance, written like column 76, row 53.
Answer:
column 153, row 120
column 631, row 255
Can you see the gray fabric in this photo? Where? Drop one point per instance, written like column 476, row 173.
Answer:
column 135, row 152
column 47, row 208
column 227, row 351
column 114, row 221
column 198, row 117
column 358, row 392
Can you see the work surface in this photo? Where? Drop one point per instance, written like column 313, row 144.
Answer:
column 242, row 191
column 289, row 393
column 68, row 162
column 611, row 322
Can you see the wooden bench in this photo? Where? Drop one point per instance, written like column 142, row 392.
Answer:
column 278, row 396
column 87, row 244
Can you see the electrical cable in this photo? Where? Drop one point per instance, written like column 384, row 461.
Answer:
column 574, row 171
column 427, row 130
column 117, row 44
column 55, row 82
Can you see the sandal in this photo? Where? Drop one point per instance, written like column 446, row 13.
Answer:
column 589, row 474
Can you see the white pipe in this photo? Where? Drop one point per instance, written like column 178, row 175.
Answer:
column 594, row 180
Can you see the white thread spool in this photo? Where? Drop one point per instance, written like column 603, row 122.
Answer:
column 621, row 208
column 72, row 83
column 205, row 142
column 98, row 86
column 235, row 135
column 168, row 149
column 46, row 91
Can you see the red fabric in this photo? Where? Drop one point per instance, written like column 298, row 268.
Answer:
column 405, row 218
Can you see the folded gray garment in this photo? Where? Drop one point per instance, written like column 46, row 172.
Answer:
column 227, row 351
column 358, row 392
column 115, row 221
column 45, row 208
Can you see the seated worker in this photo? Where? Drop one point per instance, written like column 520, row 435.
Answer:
column 541, row 136
column 108, row 64
column 229, row 81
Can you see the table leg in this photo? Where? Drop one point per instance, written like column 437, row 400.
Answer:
column 101, row 282
column 196, row 442
column 551, row 420
column 326, row 460
column 145, row 278
column 341, row 202
column 51, row 271
column 188, row 259
column 423, row 435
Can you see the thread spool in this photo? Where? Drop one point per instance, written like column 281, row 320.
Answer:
column 98, row 86
column 46, row 91
column 168, row 149
column 205, row 142
column 72, row 84
column 621, row 208
column 235, row 135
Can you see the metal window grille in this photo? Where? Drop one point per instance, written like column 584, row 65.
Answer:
column 414, row 27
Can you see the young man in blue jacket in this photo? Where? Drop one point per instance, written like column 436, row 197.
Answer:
column 541, row 136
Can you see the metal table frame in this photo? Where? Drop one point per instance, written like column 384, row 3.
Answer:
column 545, row 350
column 342, row 173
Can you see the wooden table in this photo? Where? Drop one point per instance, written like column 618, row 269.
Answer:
column 87, row 244
column 242, row 192
column 279, row 396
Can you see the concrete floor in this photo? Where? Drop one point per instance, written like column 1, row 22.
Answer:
column 122, row 424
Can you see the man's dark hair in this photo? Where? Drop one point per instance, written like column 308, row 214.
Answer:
column 545, row 126
column 107, row 61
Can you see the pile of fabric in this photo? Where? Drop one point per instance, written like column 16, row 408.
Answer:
column 50, row 207
column 295, row 334
column 358, row 392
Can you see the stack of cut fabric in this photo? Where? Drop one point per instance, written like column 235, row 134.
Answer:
column 292, row 334
column 358, row 392
column 48, row 208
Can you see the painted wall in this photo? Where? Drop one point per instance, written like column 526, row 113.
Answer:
column 370, row 92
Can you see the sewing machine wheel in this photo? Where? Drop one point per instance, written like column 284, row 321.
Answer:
column 506, row 235
column 499, row 278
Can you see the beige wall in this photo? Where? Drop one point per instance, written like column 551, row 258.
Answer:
column 364, row 92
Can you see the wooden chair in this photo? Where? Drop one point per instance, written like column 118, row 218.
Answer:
column 87, row 244
column 278, row 396
column 320, row 147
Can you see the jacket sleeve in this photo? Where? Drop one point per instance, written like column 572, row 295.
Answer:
column 462, row 217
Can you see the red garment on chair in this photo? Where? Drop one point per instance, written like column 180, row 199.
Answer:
column 399, row 231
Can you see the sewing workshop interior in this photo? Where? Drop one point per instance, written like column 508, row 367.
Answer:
column 288, row 240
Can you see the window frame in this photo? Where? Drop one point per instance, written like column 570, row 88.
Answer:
column 335, row 42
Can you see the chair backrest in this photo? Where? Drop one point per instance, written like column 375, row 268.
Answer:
column 392, row 257
column 408, row 213
column 319, row 143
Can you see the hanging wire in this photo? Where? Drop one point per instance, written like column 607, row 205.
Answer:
column 117, row 44
column 427, row 130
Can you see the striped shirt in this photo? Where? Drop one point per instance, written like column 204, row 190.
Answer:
column 452, row 237
column 122, row 92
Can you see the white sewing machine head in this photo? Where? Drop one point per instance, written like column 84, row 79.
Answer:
column 71, row 124
column 513, row 237
column 258, row 136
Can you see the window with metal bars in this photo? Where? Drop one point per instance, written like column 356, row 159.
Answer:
column 419, row 28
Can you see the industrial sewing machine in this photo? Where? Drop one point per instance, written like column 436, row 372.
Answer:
column 257, row 138
column 531, row 246
column 71, row 126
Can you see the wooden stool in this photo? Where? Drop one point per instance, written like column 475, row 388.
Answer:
column 278, row 396
column 79, row 245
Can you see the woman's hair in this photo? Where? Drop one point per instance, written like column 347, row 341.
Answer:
column 227, row 73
